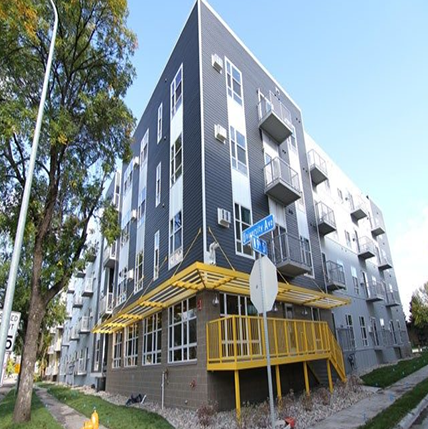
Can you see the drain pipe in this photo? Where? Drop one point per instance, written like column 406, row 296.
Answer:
column 164, row 374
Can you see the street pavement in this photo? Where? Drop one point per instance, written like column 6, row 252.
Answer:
column 361, row 412
column 422, row 421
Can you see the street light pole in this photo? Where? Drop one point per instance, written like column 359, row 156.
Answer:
column 11, row 282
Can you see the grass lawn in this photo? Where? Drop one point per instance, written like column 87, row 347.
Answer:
column 393, row 414
column 111, row 416
column 40, row 416
column 384, row 377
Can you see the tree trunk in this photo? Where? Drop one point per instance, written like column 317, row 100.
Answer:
column 37, row 310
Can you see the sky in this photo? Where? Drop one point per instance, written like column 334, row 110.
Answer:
column 359, row 72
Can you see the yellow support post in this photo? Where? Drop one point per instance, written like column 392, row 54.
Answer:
column 237, row 395
column 330, row 381
column 305, row 372
column 278, row 383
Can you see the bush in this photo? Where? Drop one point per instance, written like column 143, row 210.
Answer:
column 205, row 414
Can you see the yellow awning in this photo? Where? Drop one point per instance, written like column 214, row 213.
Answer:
column 199, row 276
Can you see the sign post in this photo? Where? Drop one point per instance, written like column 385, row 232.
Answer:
column 10, row 339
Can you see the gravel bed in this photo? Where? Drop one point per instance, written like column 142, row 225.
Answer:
column 305, row 410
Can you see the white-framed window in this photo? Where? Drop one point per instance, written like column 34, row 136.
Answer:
column 131, row 345
column 144, row 148
column 340, row 194
column 234, row 82
column 160, row 109
column 364, row 331
column 176, row 238
column 141, row 215
column 375, row 333
column 177, row 91
column 350, row 326
column 124, row 235
column 348, row 239
column 97, row 353
column 238, row 147
column 158, row 184
column 117, row 349
column 121, row 286
column 355, row 280
column 176, row 159
column 139, row 271
column 82, row 361
column 236, row 305
column 152, row 339
column 127, row 178
column 182, row 339
column 156, row 256
column 242, row 222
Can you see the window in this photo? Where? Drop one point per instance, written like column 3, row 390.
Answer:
column 117, row 349
column 350, row 327
column 176, row 238
column 355, row 281
column 124, row 235
column 81, row 363
column 182, row 331
column 348, row 239
column 139, row 271
column 131, row 345
column 238, row 148
column 97, row 353
column 177, row 91
column 364, row 331
column 306, row 252
column 141, row 208
column 242, row 222
column 375, row 334
column 365, row 283
column 144, row 146
column 340, row 194
column 127, row 178
column 236, row 304
column 176, row 159
column 234, row 82
column 121, row 287
column 152, row 339
column 160, row 108
column 158, row 184
column 156, row 258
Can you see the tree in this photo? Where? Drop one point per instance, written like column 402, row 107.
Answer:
column 418, row 325
column 86, row 127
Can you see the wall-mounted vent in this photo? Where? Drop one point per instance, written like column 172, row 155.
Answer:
column 224, row 217
column 220, row 133
column 217, row 63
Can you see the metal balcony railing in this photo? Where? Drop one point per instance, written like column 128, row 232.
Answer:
column 326, row 218
column 384, row 263
column 392, row 298
column 106, row 304
column 358, row 209
column 376, row 339
column 374, row 291
column 110, row 255
column 84, row 325
column 366, row 248
column 346, row 339
column 50, row 350
column 290, row 254
column 335, row 276
column 317, row 167
column 377, row 227
column 88, row 288
column 77, row 300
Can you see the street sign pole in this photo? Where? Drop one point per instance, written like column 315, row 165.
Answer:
column 269, row 370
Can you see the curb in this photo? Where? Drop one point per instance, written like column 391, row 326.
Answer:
column 411, row 417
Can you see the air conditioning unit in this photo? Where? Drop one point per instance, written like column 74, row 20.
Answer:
column 370, row 329
column 130, row 274
column 134, row 214
column 217, row 63
column 220, row 133
column 224, row 217
column 136, row 161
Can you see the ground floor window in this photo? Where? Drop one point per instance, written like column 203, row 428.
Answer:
column 182, row 331
column 117, row 349
column 97, row 353
column 235, row 304
column 364, row 331
column 131, row 345
column 152, row 341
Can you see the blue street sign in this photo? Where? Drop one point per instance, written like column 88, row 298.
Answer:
column 261, row 227
column 259, row 245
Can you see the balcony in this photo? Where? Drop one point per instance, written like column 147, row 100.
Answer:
column 374, row 292
column 384, row 263
column 57, row 345
column 366, row 248
column 281, row 182
column 106, row 304
column 66, row 339
column 50, row 350
column 84, row 325
column 335, row 276
column 346, row 339
column 392, row 299
column 376, row 339
column 290, row 254
column 358, row 209
column 74, row 335
column 77, row 301
column 88, row 288
column 326, row 219
column 71, row 287
column 275, row 119
column 110, row 255
column 377, row 228
column 317, row 167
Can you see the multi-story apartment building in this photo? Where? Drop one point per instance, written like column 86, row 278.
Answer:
column 220, row 146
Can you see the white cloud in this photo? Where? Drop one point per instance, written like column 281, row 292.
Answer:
column 410, row 256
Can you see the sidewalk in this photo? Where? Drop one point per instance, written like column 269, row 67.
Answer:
column 7, row 386
column 361, row 412
column 68, row 417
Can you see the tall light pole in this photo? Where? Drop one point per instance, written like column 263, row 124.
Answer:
column 11, row 282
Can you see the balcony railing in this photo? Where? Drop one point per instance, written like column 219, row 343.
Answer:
column 237, row 342
column 50, row 350
column 335, row 276
column 77, row 300
column 275, row 119
column 110, row 255
column 346, row 339
column 88, row 288
column 74, row 335
column 290, row 254
column 374, row 291
column 106, row 304
column 71, row 287
column 358, row 209
column 326, row 219
column 376, row 340
column 84, row 325
column 392, row 298
column 384, row 263
column 281, row 181
column 66, row 339
column 377, row 227
column 317, row 167
column 366, row 248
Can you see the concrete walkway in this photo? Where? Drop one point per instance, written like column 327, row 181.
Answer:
column 68, row 417
column 361, row 412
